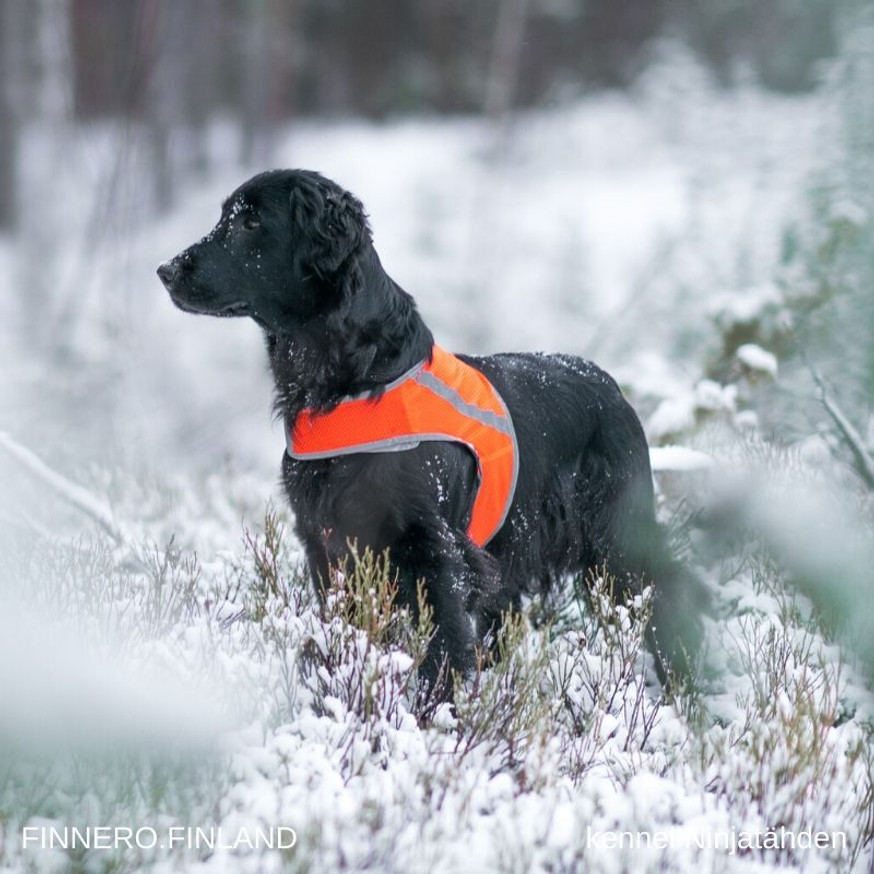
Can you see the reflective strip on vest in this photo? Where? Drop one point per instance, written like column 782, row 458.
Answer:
column 444, row 399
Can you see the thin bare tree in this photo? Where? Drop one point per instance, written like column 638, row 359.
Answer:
column 46, row 173
column 506, row 60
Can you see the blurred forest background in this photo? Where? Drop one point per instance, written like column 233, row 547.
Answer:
column 116, row 118
column 164, row 69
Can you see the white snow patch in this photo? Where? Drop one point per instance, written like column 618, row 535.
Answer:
column 672, row 416
column 758, row 359
column 746, row 305
column 849, row 212
column 678, row 458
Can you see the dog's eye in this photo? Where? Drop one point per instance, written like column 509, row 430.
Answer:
column 251, row 223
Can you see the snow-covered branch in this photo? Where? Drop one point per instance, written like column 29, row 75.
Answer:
column 71, row 492
column 863, row 462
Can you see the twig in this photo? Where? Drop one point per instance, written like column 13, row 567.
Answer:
column 71, row 492
column 864, row 464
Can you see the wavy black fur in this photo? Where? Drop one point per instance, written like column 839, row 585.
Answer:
column 294, row 251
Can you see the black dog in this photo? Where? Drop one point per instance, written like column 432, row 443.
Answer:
column 293, row 251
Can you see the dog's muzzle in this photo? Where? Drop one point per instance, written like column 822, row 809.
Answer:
column 168, row 272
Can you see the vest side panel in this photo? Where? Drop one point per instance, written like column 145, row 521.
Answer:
column 445, row 399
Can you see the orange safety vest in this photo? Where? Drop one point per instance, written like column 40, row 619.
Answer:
column 440, row 399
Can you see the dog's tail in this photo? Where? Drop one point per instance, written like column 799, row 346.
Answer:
column 679, row 603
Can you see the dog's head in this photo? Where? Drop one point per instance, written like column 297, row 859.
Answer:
column 278, row 254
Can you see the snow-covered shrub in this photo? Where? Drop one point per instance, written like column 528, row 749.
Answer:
column 787, row 762
column 360, row 657
column 503, row 709
column 597, row 676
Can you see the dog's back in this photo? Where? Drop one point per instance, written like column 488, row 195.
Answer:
column 585, row 498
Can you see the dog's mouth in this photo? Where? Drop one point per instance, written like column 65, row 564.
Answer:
column 234, row 309
column 231, row 310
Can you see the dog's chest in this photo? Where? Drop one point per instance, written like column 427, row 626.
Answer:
column 378, row 496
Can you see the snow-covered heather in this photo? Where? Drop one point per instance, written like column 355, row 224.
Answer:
column 229, row 701
column 168, row 668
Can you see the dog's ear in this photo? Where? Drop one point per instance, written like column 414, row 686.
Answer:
column 333, row 223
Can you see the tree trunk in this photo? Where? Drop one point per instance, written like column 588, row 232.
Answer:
column 506, row 59
column 268, row 60
column 45, row 173
column 12, row 68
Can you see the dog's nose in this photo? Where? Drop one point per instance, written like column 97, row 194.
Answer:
column 167, row 272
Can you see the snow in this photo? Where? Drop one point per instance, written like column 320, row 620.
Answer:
column 82, row 702
column 744, row 305
column 756, row 358
column 849, row 212
column 680, row 412
column 672, row 416
column 678, row 458
column 74, row 494
column 612, row 228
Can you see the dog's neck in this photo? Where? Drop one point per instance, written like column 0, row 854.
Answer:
column 374, row 336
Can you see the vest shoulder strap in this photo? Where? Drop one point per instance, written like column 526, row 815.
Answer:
column 439, row 399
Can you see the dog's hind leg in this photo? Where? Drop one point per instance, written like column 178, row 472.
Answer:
column 637, row 553
column 617, row 512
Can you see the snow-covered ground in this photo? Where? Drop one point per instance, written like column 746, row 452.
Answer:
column 159, row 675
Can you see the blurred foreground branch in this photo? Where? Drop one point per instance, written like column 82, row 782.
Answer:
column 71, row 492
column 862, row 461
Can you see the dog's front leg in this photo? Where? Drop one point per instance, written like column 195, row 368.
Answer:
column 318, row 561
column 458, row 580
